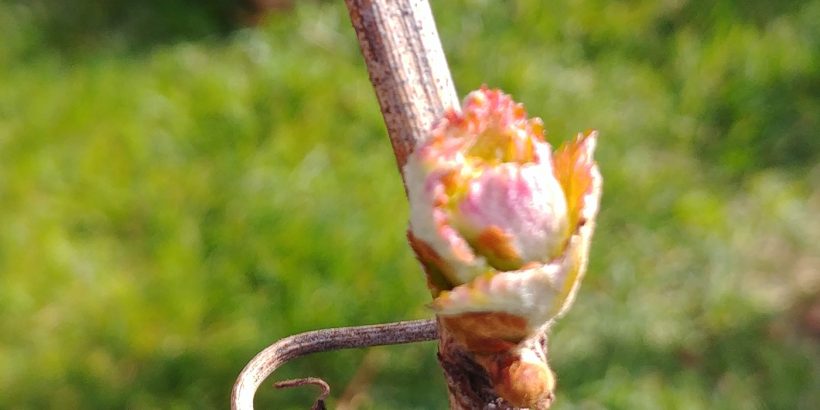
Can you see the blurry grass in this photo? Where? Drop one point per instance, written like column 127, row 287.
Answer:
column 166, row 213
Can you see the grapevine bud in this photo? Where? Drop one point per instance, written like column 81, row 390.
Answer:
column 502, row 226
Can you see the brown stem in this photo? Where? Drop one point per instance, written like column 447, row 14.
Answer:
column 289, row 348
column 407, row 67
column 409, row 72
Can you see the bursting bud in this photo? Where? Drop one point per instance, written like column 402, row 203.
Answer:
column 502, row 226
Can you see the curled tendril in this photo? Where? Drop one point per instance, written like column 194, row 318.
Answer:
column 319, row 404
column 292, row 347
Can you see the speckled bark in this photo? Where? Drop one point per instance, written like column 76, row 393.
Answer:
column 409, row 72
column 407, row 67
column 468, row 384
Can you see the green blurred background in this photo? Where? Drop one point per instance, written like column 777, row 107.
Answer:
column 178, row 189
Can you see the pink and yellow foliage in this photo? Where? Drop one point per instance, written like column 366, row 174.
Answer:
column 502, row 225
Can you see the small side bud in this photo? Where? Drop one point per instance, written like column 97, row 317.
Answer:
column 522, row 381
